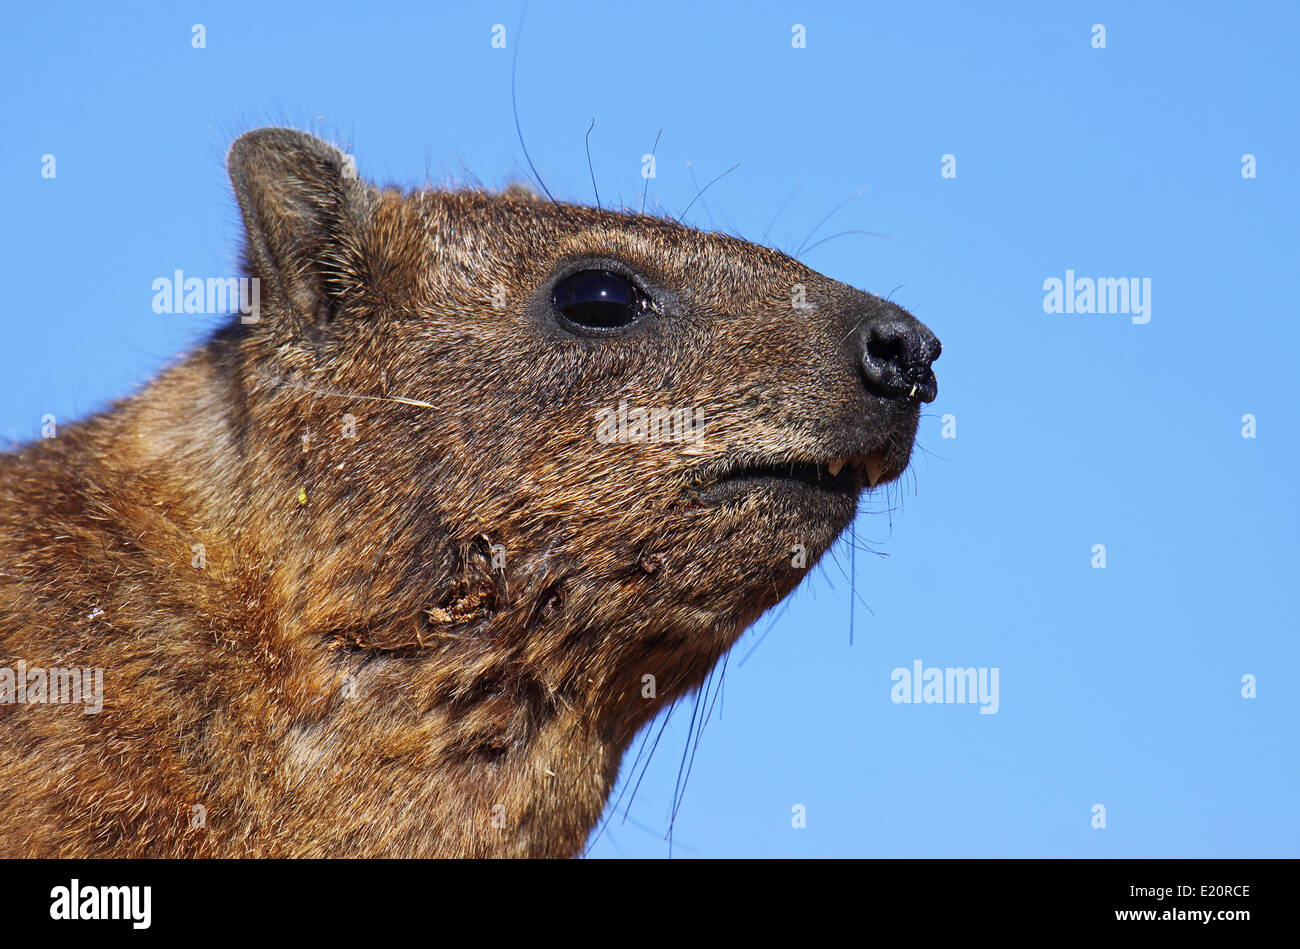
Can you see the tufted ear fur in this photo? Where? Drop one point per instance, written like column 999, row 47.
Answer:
column 304, row 209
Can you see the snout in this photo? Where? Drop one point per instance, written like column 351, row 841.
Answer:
column 897, row 353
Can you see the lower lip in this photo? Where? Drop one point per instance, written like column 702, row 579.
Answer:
column 735, row 490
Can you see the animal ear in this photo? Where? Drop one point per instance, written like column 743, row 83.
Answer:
column 303, row 208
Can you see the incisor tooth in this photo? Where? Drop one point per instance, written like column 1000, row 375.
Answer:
column 875, row 468
column 835, row 467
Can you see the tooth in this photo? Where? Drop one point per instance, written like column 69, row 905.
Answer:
column 875, row 468
column 835, row 467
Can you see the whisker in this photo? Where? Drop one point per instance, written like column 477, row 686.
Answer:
column 839, row 566
column 642, row 827
column 843, row 234
column 690, row 728
column 646, row 188
column 589, row 168
column 514, row 104
column 775, row 619
column 690, row 170
column 818, row 225
column 655, row 745
column 771, row 223
column 699, row 733
column 853, row 572
column 706, row 188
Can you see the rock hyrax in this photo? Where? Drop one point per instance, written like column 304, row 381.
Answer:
column 386, row 570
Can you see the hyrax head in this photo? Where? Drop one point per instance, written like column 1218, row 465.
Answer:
column 598, row 427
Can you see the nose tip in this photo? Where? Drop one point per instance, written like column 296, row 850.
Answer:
column 897, row 351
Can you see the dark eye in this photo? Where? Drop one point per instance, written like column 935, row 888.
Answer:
column 599, row 300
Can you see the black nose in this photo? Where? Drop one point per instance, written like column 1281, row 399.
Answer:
column 897, row 351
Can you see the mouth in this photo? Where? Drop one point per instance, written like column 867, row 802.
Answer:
column 844, row 477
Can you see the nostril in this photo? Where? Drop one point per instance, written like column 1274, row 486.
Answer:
column 887, row 347
column 897, row 351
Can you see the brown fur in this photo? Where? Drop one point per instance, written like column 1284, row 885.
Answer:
column 471, row 685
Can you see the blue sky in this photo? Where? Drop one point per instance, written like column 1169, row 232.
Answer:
column 1119, row 686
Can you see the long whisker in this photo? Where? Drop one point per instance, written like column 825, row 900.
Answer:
column 690, row 169
column 852, row 589
column 699, row 732
column 653, row 746
column 514, row 104
column 853, row 572
column 770, row 626
column 843, row 234
column 646, row 189
column 589, row 168
column 818, row 225
column 706, row 188
column 788, row 198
